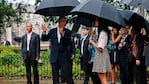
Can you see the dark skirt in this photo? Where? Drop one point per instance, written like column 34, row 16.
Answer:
column 113, row 57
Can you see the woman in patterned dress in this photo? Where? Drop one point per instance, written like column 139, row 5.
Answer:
column 102, row 61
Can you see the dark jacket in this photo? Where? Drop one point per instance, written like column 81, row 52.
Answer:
column 124, row 52
column 140, row 45
column 34, row 48
column 59, row 51
column 6, row 44
column 86, row 56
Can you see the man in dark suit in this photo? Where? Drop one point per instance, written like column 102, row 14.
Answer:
column 124, row 53
column 71, row 54
column 60, row 43
column 85, row 58
column 30, row 52
column 5, row 42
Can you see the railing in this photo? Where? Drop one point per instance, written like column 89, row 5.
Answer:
column 12, row 67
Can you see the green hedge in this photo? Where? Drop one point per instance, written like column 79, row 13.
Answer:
column 12, row 66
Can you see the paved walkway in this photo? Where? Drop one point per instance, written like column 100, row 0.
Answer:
column 45, row 81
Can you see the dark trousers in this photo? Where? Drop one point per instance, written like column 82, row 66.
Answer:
column 94, row 76
column 131, row 72
column 96, row 79
column 65, row 67
column 124, row 74
column 28, row 64
column 140, row 72
column 63, row 79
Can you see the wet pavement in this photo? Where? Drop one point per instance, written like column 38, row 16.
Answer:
column 45, row 81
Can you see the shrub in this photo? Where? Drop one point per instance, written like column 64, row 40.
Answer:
column 12, row 66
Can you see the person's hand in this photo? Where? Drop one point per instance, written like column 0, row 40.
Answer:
column 130, row 30
column 90, row 46
column 37, row 59
column 44, row 28
column 120, row 35
column 143, row 31
column 72, row 57
column 137, row 62
column 123, row 42
column 89, row 62
column 62, row 32
column 91, row 41
column 112, row 33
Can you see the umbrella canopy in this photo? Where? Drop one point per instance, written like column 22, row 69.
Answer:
column 134, row 19
column 145, row 4
column 135, row 3
column 126, row 15
column 56, row 7
column 100, row 9
column 87, row 21
column 17, row 39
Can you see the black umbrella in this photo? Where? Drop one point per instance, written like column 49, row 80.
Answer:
column 135, row 3
column 87, row 21
column 126, row 14
column 145, row 4
column 100, row 9
column 134, row 19
column 17, row 39
column 56, row 7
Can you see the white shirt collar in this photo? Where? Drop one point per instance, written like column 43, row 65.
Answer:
column 58, row 35
column 124, row 37
column 29, row 33
column 85, row 37
column 4, row 43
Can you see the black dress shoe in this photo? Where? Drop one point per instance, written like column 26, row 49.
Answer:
column 63, row 81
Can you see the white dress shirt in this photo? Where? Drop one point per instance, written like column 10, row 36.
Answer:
column 103, row 39
column 82, row 44
column 4, row 43
column 58, row 35
column 28, row 39
column 122, row 42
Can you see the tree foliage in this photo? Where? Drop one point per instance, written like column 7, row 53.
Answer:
column 6, row 12
column 9, row 14
column 37, row 2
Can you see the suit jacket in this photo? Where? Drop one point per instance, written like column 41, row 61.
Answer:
column 140, row 45
column 34, row 46
column 71, row 49
column 124, row 53
column 147, row 56
column 7, row 43
column 86, row 56
column 58, row 51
